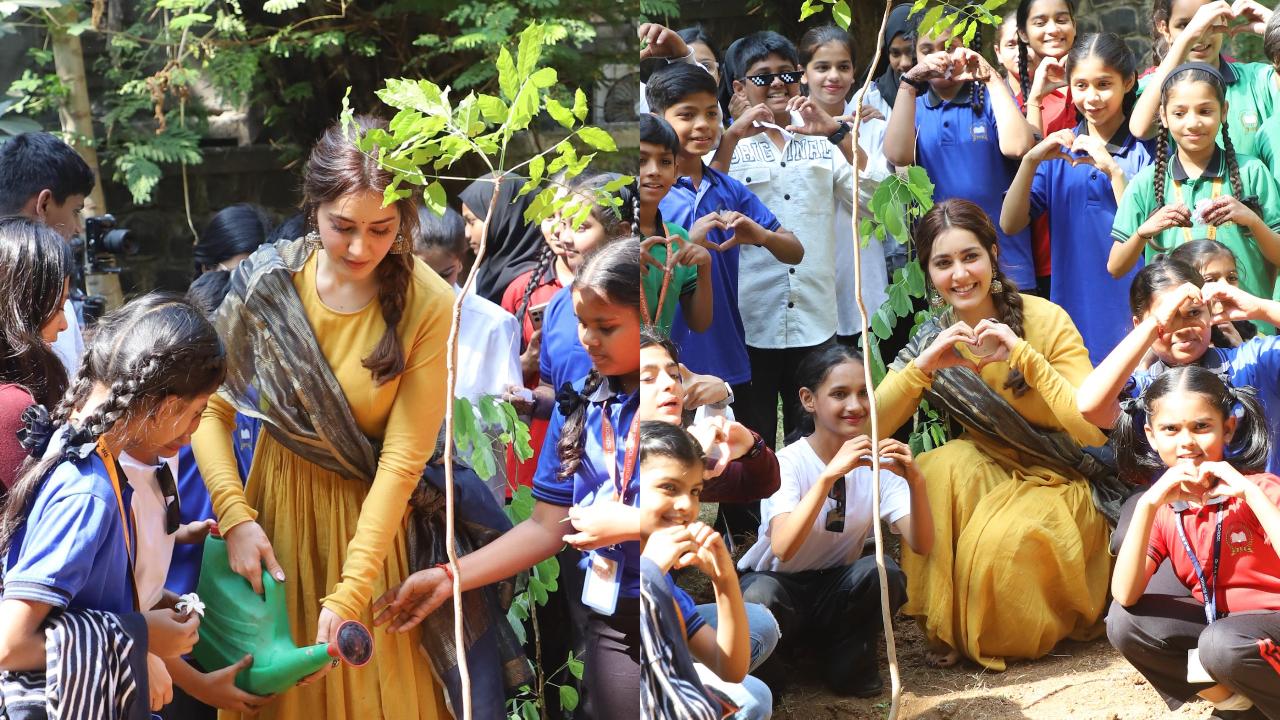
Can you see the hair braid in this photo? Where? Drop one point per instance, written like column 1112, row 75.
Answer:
column 573, row 432
column 1233, row 172
column 545, row 262
column 1024, row 82
column 977, row 98
column 387, row 359
column 1162, row 161
column 1009, row 310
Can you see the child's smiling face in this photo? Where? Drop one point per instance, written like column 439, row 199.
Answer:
column 1184, row 427
column 775, row 94
column 829, row 74
column 657, row 172
column 669, row 493
column 696, row 120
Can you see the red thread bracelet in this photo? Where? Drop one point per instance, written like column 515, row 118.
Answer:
column 447, row 571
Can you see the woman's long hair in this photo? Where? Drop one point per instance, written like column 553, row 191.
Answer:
column 35, row 264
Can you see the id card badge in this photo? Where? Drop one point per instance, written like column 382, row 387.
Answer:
column 1195, row 671
column 600, row 591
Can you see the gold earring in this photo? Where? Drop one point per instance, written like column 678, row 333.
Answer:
column 312, row 240
column 997, row 287
column 935, row 299
column 400, row 246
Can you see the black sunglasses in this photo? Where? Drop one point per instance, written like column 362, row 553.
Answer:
column 835, row 516
column 791, row 77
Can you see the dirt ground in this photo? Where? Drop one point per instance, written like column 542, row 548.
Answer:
column 1079, row 680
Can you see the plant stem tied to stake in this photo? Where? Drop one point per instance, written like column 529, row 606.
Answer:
column 891, row 650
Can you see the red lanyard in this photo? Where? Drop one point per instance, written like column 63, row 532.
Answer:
column 609, row 443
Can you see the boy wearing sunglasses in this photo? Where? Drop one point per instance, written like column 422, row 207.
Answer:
column 797, row 159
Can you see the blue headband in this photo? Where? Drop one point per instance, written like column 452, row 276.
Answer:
column 1185, row 67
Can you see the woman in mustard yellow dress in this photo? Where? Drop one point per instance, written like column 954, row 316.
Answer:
column 374, row 322
column 1021, row 560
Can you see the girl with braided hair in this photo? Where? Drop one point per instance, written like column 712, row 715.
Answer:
column 1015, row 489
column 956, row 118
column 80, row 532
column 1046, row 32
column 337, row 342
column 1194, row 31
column 1200, row 189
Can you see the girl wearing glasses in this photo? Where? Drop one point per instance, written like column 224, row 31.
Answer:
column 808, row 566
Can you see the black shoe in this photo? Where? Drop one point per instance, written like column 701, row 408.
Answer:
column 862, row 685
column 1252, row 713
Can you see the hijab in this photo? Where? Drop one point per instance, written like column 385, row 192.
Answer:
column 512, row 245
column 898, row 24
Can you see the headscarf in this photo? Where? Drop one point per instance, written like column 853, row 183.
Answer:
column 512, row 245
column 898, row 24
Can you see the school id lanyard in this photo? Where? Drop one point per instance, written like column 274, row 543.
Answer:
column 1212, row 231
column 609, row 443
column 114, row 472
column 1210, row 592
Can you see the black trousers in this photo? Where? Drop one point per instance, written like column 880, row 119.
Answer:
column 773, row 373
column 835, row 611
column 612, row 672
column 1240, row 651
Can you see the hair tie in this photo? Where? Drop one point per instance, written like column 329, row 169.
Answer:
column 1187, row 67
column 569, row 400
column 1133, row 406
column 37, row 428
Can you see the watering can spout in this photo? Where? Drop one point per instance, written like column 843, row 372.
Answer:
column 285, row 668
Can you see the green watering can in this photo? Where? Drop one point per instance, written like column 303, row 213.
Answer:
column 239, row 622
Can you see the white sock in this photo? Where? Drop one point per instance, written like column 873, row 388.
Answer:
column 1235, row 702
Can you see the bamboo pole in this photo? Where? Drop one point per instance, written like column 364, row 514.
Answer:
column 74, row 114
column 891, row 650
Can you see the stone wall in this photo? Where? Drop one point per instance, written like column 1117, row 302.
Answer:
column 1129, row 19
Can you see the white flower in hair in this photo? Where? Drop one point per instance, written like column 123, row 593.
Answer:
column 190, row 603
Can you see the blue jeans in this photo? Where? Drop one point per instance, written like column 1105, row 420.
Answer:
column 761, row 625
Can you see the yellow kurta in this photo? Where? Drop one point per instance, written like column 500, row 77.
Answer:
column 341, row 542
column 1021, row 558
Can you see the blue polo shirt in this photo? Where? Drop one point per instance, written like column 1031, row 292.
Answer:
column 693, row 620
column 592, row 478
column 561, row 357
column 70, row 552
column 184, row 568
column 960, row 150
column 1082, row 208
column 1256, row 364
column 721, row 350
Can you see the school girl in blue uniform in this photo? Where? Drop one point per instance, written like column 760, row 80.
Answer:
column 68, row 533
column 587, row 488
column 1076, row 178
column 964, row 128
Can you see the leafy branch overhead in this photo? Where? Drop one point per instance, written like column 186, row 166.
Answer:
column 430, row 132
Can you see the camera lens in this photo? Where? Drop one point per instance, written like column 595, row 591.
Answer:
column 118, row 242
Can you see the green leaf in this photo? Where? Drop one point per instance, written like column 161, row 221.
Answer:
column 969, row 33
column 580, row 108
column 840, row 11
column 899, row 300
column 179, row 24
column 598, row 139
column 808, row 9
column 464, row 424
column 917, row 6
column 530, row 50
column 508, row 83
column 275, row 7
column 915, row 279
column 568, row 698
column 435, row 198
column 894, row 222
column 560, row 113
column 544, row 78
column 880, row 327
column 492, row 108
column 575, row 666
column 489, row 411
column 529, row 711
column 537, row 166
column 929, row 20
column 991, row 5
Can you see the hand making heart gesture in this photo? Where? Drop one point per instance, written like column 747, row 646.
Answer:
column 942, row 352
column 995, row 342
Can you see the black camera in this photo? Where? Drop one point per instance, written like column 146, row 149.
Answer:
column 103, row 235
column 96, row 268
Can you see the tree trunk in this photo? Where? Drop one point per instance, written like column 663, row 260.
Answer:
column 77, row 120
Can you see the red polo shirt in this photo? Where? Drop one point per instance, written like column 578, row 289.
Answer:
column 1249, row 578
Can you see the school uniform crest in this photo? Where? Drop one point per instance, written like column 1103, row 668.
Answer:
column 1239, row 539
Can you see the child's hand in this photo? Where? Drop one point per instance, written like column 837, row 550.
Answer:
column 709, row 554
column 816, row 120
column 692, row 255
column 170, row 634
column 194, row 533
column 647, row 260
column 1180, row 482
column 1219, row 478
column 738, row 104
column 1228, row 302
column 852, row 453
column 660, row 41
column 1170, row 216
column 704, row 225
column 900, row 460
column 744, row 124
column 1227, row 209
column 713, row 437
column 931, row 67
column 410, row 602
column 159, row 684
column 942, row 352
column 1255, row 14
column 1096, row 154
column 745, row 230
column 967, row 65
column 1049, row 76
column 667, row 545
column 702, row 390
column 218, row 689
column 1169, row 305
column 603, row 523
column 1208, row 20
column 1054, row 147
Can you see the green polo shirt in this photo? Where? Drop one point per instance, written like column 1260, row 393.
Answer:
column 684, row 279
column 1251, row 96
column 1268, row 145
column 1257, row 276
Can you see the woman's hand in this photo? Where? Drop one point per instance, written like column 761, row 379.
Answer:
column 942, row 353
column 218, row 689
column 326, row 629
column 159, row 684
column 409, row 603
column 1096, row 154
column 602, row 523
column 1169, row 216
column 993, row 332
column 898, row 457
column 248, row 549
column 170, row 634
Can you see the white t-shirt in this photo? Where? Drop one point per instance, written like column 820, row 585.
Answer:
column 155, row 546
column 875, row 277
column 488, row 349
column 800, row 467
column 70, row 343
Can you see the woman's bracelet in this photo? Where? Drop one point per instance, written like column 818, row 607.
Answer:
column 447, row 571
